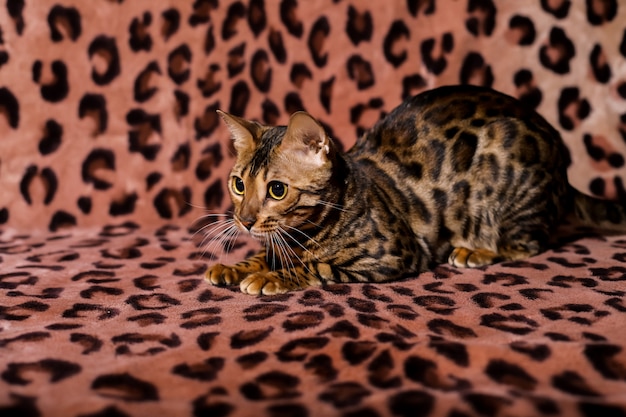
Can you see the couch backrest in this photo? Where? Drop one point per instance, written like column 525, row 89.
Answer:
column 107, row 109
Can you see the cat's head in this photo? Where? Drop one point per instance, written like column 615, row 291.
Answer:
column 281, row 179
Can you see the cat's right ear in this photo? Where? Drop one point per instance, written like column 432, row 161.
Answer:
column 243, row 132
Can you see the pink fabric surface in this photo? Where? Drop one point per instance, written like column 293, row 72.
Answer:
column 110, row 150
column 119, row 322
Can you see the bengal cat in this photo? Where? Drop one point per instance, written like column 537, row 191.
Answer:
column 458, row 173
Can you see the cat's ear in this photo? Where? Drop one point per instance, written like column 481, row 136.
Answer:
column 244, row 132
column 306, row 136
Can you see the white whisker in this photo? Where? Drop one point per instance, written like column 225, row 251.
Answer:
column 217, row 228
column 292, row 252
column 303, row 234
column 288, row 254
column 319, row 226
column 231, row 236
column 283, row 231
column 207, row 226
column 334, row 206
column 206, row 216
column 220, row 238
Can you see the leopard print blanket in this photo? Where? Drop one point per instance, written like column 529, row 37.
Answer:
column 111, row 154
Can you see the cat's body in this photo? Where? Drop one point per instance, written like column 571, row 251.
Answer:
column 459, row 173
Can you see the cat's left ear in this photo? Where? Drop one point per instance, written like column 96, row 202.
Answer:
column 306, row 136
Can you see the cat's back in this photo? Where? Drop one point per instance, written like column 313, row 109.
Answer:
column 451, row 160
column 451, row 128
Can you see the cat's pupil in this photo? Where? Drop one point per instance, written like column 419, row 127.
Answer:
column 277, row 190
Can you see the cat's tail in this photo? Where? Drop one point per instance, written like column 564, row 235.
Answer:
column 599, row 213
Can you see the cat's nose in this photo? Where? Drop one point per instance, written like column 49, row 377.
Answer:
column 247, row 223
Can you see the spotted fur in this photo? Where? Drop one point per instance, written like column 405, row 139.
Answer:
column 459, row 173
column 111, row 148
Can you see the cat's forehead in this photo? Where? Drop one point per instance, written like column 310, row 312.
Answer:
column 265, row 146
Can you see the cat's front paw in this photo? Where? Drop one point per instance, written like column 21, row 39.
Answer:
column 472, row 258
column 219, row 274
column 266, row 283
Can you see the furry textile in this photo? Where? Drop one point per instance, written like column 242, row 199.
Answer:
column 113, row 160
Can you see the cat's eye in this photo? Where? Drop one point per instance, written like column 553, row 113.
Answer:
column 277, row 190
column 238, row 186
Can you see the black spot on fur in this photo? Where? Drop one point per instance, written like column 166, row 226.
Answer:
column 52, row 138
column 317, row 37
column 105, row 47
column 360, row 70
column 560, row 42
column 484, row 20
column 94, row 106
column 142, row 89
column 288, row 15
column 474, row 66
column 48, row 179
column 531, row 95
column 571, row 96
column 207, row 370
column 57, row 371
column 510, row 374
column 359, row 26
column 601, row 70
column 178, row 64
column 560, row 11
column 277, row 46
column 144, row 129
column 59, row 88
column 397, row 31
column 257, row 16
column 66, row 17
column 171, row 23
column 526, row 27
column 139, row 38
column 61, row 219
column 438, row 64
column 463, row 151
column 235, row 13
column 202, row 12
column 123, row 205
column 96, row 160
column 426, row 6
column 9, row 107
column 260, row 71
column 607, row 14
column 125, row 387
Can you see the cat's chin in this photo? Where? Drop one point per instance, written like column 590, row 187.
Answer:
column 261, row 235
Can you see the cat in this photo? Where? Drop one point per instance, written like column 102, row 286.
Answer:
column 458, row 173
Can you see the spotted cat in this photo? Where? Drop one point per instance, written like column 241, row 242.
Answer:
column 459, row 173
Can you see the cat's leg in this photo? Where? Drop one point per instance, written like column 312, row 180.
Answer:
column 255, row 277
column 219, row 274
column 522, row 246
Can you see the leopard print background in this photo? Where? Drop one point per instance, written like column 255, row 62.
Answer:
column 110, row 152
column 109, row 109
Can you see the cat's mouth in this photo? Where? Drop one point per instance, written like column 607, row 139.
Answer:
column 263, row 233
column 267, row 231
column 254, row 229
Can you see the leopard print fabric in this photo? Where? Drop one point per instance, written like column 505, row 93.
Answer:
column 118, row 322
column 118, row 121
column 110, row 149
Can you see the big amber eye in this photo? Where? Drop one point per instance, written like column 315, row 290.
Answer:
column 238, row 186
column 277, row 190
